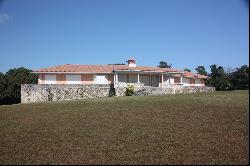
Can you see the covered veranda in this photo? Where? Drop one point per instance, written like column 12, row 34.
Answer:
column 148, row 78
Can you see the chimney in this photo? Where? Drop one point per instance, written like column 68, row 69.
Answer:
column 131, row 62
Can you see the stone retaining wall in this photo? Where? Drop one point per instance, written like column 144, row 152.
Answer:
column 148, row 90
column 120, row 87
column 54, row 92
column 193, row 89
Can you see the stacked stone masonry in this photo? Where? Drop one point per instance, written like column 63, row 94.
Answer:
column 54, row 92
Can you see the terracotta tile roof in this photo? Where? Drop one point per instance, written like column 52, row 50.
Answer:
column 69, row 68
column 192, row 75
column 101, row 68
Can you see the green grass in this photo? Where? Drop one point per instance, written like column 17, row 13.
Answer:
column 209, row 128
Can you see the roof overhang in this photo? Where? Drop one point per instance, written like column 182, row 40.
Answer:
column 40, row 72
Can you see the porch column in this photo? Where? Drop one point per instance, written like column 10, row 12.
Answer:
column 138, row 78
column 162, row 78
column 181, row 80
column 116, row 77
column 169, row 79
column 150, row 81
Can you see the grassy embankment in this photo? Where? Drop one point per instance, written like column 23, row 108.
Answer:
column 209, row 128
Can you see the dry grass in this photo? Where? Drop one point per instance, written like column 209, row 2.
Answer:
column 207, row 128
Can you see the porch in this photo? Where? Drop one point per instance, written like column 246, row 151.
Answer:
column 154, row 79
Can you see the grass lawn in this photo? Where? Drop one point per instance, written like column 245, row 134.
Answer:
column 209, row 128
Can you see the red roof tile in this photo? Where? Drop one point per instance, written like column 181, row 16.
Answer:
column 101, row 68
column 69, row 68
column 192, row 75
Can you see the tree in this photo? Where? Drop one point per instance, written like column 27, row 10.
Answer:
column 188, row 70
column 201, row 70
column 3, row 84
column 164, row 64
column 218, row 78
column 12, row 84
column 240, row 78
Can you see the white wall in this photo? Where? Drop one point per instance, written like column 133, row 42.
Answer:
column 185, row 81
column 100, row 79
column 39, row 80
column 166, row 79
column 73, row 79
column 50, row 79
column 171, row 80
column 198, row 82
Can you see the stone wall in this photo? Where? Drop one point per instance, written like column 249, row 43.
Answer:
column 193, row 89
column 120, row 87
column 148, row 90
column 53, row 92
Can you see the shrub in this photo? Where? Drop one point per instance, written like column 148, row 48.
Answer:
column 129, row 90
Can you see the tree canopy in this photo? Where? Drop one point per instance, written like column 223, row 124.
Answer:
column 188, row 70
column 240, row 78
column 218, row 79
column 164, row 64
column 10, row 84
column 201, row 70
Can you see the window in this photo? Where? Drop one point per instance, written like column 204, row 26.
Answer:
column 191, row 81
column 100, row 79
column 122, row 78
column 50, row 79
column 177, row 80
column 145, row 80
column 132, row 78
column 73, row 79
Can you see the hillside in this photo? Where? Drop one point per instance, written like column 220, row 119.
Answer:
column 200, row 128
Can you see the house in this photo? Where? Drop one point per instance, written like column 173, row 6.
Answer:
column 67, row 82
column 111, row 74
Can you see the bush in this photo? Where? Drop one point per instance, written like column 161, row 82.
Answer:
column 129, row 90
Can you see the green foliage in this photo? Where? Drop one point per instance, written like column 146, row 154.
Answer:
column 164, row 64
column 3, row 85
column 219, row 79
column 201, row 70
column 188, row 70
column 240, row 78
column 10, row 84
column 129, row 90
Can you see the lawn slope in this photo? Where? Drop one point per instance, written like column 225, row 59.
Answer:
column 204, row 128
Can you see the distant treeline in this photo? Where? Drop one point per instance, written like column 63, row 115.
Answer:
column 234, row 79
column 10, row 84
